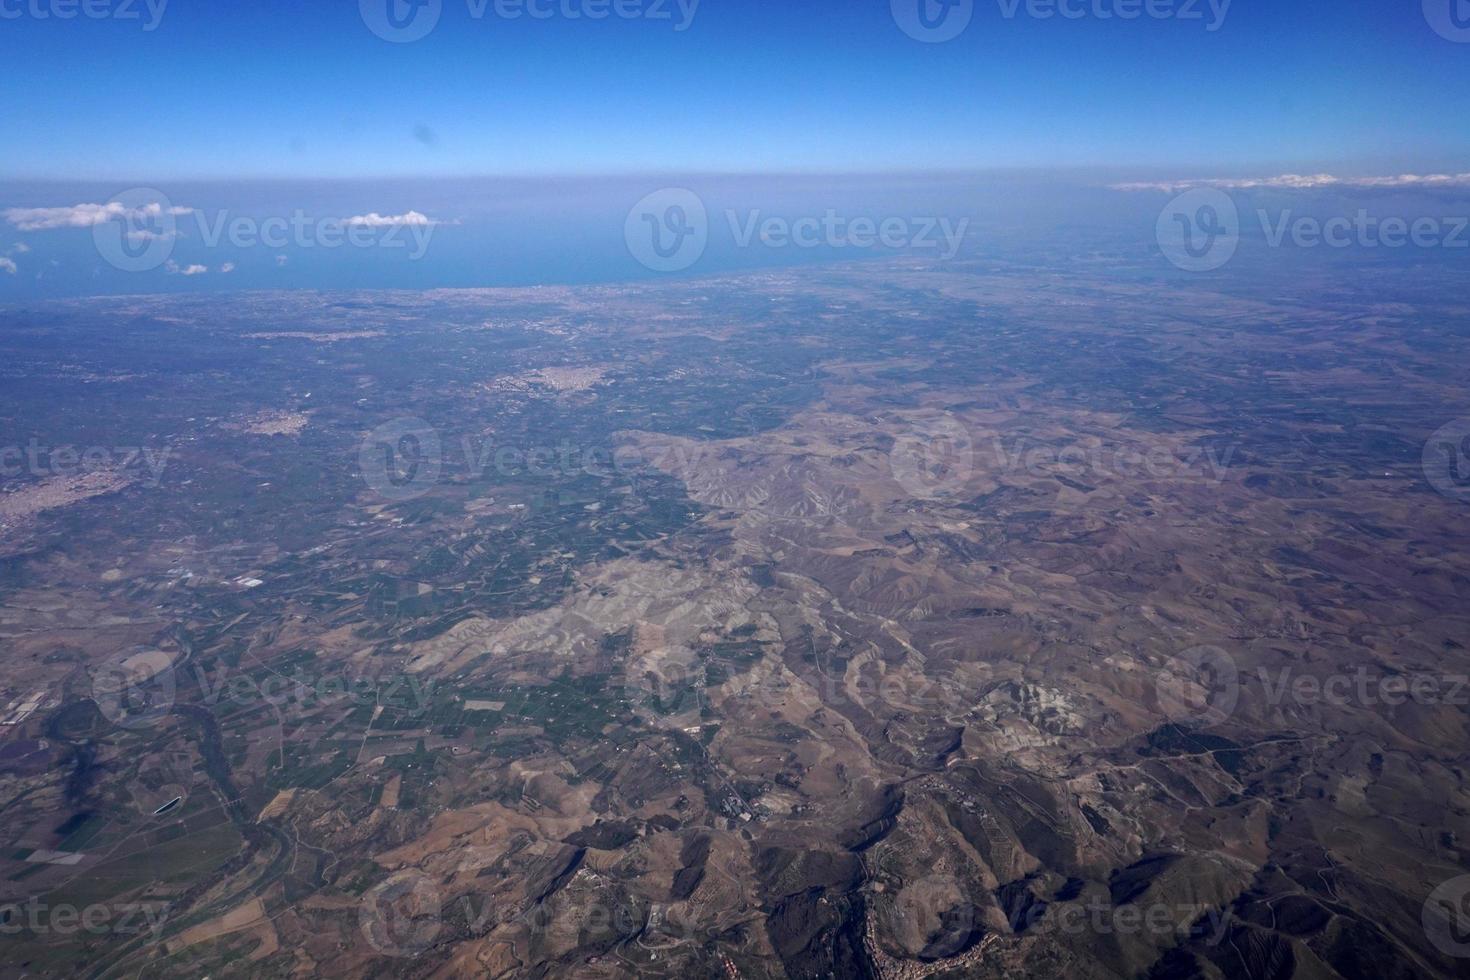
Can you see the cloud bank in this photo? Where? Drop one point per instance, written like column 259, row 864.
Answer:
column 1303, row 182
column 84, row 215
column 376, row 220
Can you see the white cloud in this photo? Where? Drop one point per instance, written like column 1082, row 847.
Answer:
column 227, row 267
column 19, row 248
column 144, row 235
column 8, row 265
column 1302, row 182
column 174, row 269
column 84, row 215
column 376, row 220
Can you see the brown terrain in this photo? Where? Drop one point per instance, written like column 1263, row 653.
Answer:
column 917, row 622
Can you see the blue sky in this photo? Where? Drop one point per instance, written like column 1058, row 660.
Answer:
column 528, row 150
column 295, row 89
